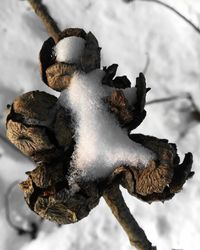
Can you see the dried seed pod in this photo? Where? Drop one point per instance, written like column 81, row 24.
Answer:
column 55, row 191
column 29, row 140
column 58, row 75
column 38, row 127
column 52, row 194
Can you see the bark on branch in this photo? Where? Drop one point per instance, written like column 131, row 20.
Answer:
column 49, row 23
column 135, row 233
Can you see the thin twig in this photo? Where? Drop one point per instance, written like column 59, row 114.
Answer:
column 146, row 66
column 49, row 23
column 115, row 201
column 168, row 99
column 195, row 27
column 186, row 95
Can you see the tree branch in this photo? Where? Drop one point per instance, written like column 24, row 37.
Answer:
column 196, row 28
column 168, row 99
column 185, row 95
column 115, row 201
column 45, row 17
column 146, row 66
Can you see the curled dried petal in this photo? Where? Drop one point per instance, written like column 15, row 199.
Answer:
column 28, row 140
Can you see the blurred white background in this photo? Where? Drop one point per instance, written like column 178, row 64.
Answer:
column 130, row 35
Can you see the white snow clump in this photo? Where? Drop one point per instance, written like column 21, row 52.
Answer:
column 101, row 144
column 69, row 49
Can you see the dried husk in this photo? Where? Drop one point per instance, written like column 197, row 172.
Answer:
column 38, row 126
column 34, row 106
column 128, row 116
column 58, row 75
column 51, row 194
column 29, row 140
column 43, row 130
column 118, row 105
column 161, row 179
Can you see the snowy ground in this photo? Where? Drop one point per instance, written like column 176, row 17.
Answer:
column 126, row 33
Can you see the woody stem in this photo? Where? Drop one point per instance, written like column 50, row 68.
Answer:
column 49, row 23
column 136, row 235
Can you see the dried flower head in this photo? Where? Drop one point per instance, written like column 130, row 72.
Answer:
column 39, row 127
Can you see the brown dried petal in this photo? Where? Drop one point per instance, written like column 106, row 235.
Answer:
column 59, row 75
column 39, row 127
column 130, row 117
column 35, row 107
column 48, row 193
column 62, row 129
column 141, row 92
column 28, row 140
column 118, row 105
column 46, row 58
column 162, row 178
column 55, row 212
column 152, row 179
column 91, row 57
column 182, row 173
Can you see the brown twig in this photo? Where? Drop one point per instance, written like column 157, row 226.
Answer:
column 115, row 201
column 186, row 95
column 196, row 28
column 49, row 23
column 146, row 66
column 168, row 99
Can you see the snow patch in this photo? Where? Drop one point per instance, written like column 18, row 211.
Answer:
column 69, row 49
column 101, row 144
